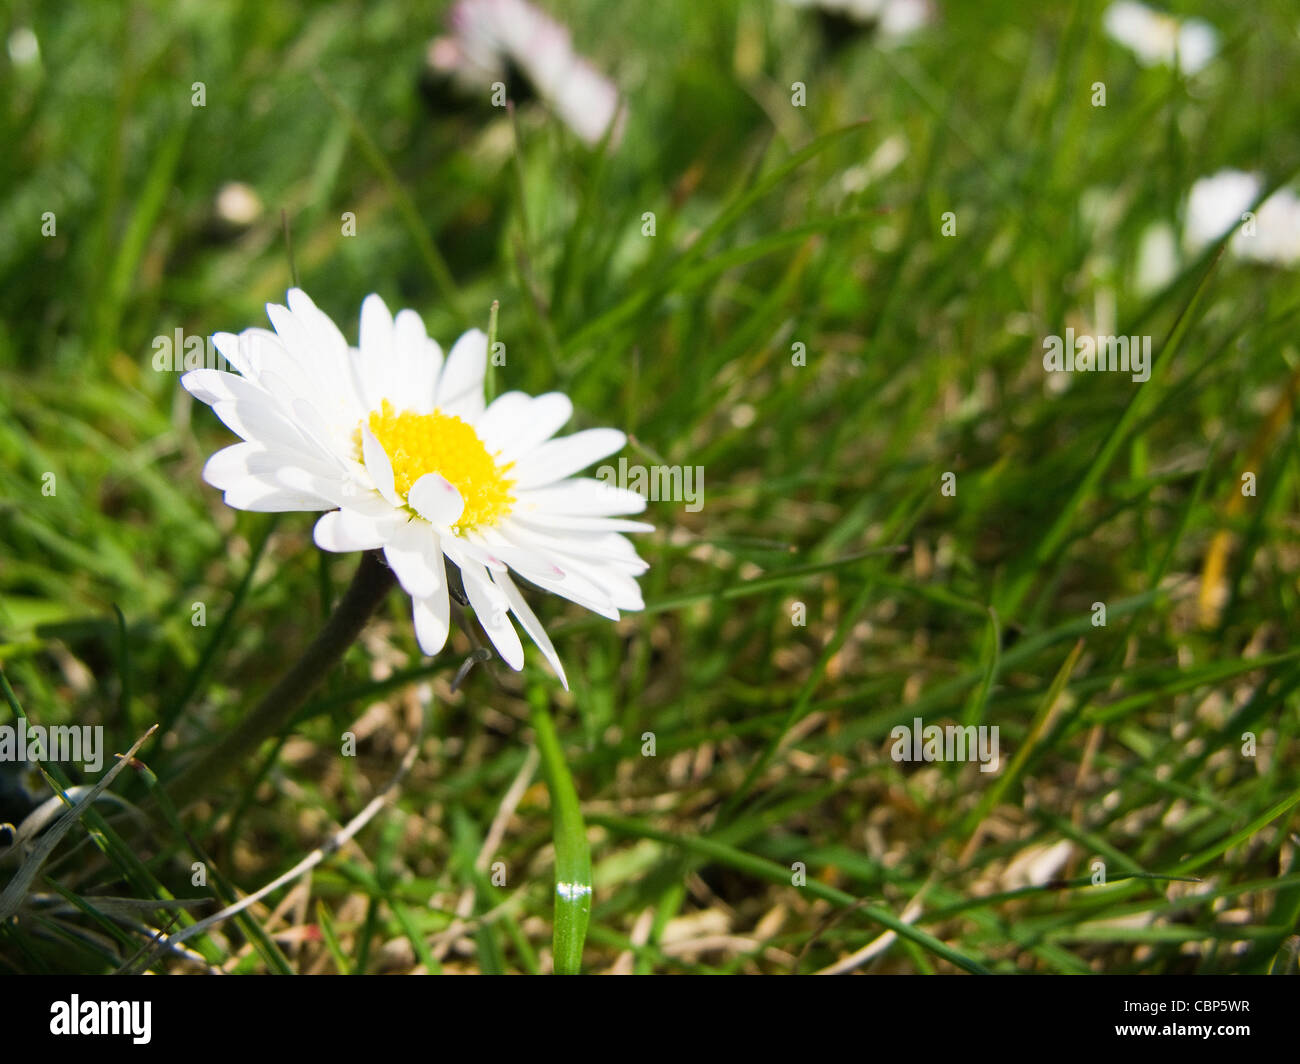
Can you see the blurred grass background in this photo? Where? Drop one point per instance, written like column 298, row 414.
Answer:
column 774, row 225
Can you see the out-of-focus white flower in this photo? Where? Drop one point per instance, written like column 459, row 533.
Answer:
column 1158, row 39
column 24, row 48
column 1276, row 236
column 1221, row 201
column 1157, row 258
column 1216, row 204
column 399, row 448
column 488, row 36
column 893, row 18
column 238, row 204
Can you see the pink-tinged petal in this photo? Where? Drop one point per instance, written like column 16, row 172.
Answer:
column 614, row 582
column 463, row 551
column 577, row 588
column 436, row 499
column 522, row 559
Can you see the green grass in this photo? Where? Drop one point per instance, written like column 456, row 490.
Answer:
column 1120, row 744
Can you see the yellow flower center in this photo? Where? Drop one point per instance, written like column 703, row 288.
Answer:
column 417, row 444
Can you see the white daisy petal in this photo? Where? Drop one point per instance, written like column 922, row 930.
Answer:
column 330, row 351
column 522, row 558
column 227, row 345
column 462, row 551
column 292, row 470
column 324, row 333
column 582, row 496
column 262, row 422
column 291, row 331
column 436, row 499
column 378, row 466
column 260, row 349
column 419, row 361
column 257, row 496
column 316, row 428
column 432, row 617
column 377, row 357
column 546, row 415
column 282, row 387
column 342, row 531
column 296, row 478
column 576, row 588
column 216, row 386
column 411, row 552
column 603, row 547
column 561, row 458
column 248, row 352
column 491, row 608
column 376, row 330
column 209, row 385
column 541, row 520
column 230, row 465
column 502, row 419
column 359, row 496
column 460, row 386
column 531, row 624
column 618, row 586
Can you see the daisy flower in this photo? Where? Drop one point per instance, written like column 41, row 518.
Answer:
column 397, row 445
column 1158, row 39
column 489, row 38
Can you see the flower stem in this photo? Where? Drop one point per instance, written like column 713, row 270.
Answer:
column 276, row 710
